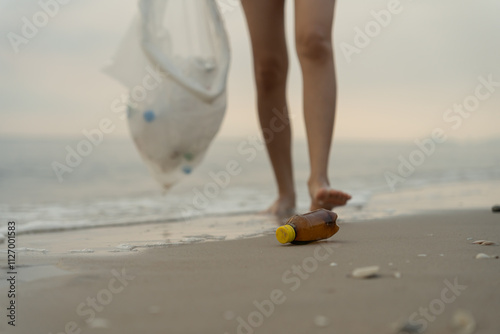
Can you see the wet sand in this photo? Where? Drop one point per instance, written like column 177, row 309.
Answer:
column 428, row 272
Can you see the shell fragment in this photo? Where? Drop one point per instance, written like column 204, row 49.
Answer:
column 482, row 256
column 365, row 272
column 484, row 242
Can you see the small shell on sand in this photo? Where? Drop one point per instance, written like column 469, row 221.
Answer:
column 463, row 322
column 397, row 274
column 482, row 256
column 483, row 242
column 410, row 328
column 99, row 323
column 333, row 264
column 321, row 321
column 365, row 272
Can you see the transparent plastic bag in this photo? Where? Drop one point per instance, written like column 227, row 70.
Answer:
column 174, row 60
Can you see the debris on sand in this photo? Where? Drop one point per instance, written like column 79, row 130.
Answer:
column 463, row 322
column 411, row 328
column 99, row 323
column 496, row 208
column 483, row 242
column 486, row 256
column 365, row 272
column 321, row 321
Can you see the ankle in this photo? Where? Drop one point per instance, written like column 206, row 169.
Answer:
column 317, row 182
column 287, row 197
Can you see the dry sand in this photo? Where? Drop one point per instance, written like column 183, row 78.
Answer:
column 259, row 286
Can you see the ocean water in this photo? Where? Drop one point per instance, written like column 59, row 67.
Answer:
column 112, row 186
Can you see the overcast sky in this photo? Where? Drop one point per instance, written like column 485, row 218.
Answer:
column 428, row 58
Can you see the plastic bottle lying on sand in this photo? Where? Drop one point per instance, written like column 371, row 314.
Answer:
column 311, row 226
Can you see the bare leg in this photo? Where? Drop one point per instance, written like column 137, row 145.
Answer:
column 265, row 20
column 313, row 28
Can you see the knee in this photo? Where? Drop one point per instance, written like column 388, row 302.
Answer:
column 314, row 44
column 270, row 72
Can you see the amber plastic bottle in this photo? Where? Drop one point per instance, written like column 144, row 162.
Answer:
column 311, row 226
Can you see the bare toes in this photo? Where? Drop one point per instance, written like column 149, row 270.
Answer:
column 328, row 198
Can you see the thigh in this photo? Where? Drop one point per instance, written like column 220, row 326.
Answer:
column 266, row 24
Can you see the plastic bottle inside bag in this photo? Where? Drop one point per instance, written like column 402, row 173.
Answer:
column 174, row 60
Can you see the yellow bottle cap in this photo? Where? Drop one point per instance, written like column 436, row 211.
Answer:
column 285, row 234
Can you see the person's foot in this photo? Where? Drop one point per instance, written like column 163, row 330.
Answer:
column 283, row 207
column 324, row 197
